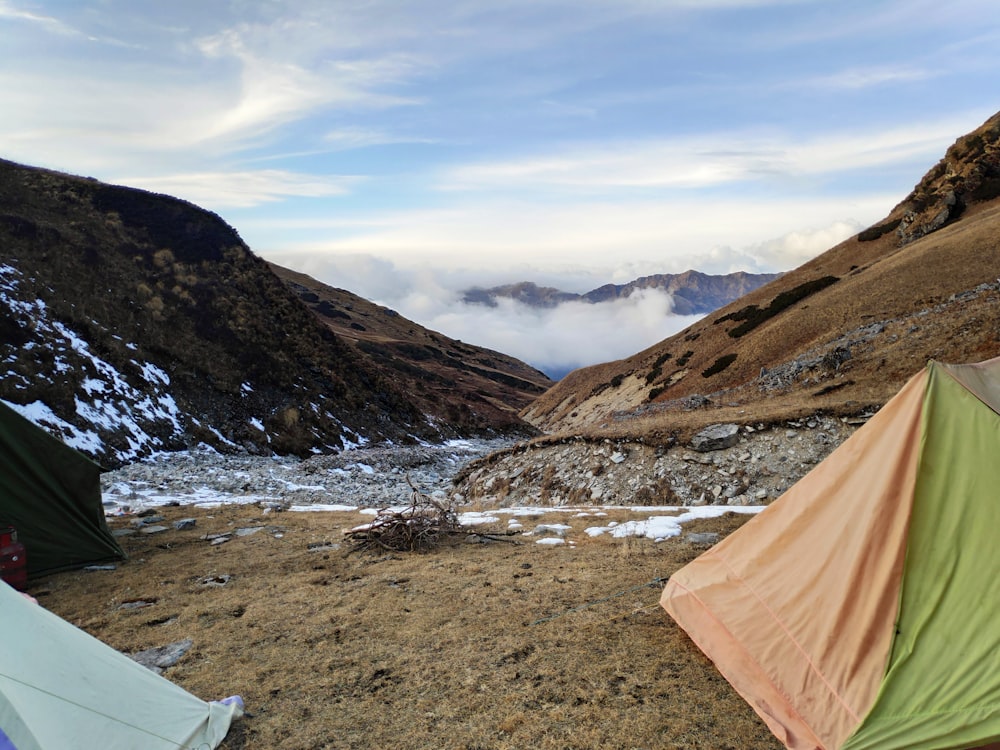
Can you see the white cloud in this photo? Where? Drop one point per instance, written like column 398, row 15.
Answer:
column 240, row 189
column 795, row 248
column 358, row 137
column 556, row 340
column 668, row 236
column 53, row 25
column 708, row 160
column 860, row 78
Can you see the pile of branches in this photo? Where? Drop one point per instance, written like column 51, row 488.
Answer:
column 421, row 526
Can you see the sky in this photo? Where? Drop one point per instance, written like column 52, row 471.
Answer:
column 408, row 149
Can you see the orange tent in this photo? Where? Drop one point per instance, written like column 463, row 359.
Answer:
column 850, row 613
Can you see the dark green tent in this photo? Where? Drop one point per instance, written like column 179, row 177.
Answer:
column 51, row 494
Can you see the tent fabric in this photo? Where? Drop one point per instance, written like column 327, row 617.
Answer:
column 800, row 608
column 61, row 688
column 51, row 493
column 943, row 676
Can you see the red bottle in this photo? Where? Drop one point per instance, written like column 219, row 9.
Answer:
column 13, row 561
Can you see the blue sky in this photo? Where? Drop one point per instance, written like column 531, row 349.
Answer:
column 403, row 149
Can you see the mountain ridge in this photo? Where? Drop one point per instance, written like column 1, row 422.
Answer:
column 693, row 292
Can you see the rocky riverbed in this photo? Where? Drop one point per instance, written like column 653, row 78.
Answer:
column 363, row 477
column 758, row 464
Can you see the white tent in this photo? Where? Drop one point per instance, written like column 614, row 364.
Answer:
column 62, row 688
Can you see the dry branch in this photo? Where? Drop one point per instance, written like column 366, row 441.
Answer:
column 419, row 527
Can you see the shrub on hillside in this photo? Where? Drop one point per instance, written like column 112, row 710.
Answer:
column 719, row 365
column 873, row 233
column 753, row 316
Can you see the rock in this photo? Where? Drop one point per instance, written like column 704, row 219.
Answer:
column 248, row 530
column 185, row 523
column 148, row 522
column 158, row 659
column 555, row 529
column 617, row 457
column 716, row 437
column 153, row 529
column 322, row 546
column 708, row 537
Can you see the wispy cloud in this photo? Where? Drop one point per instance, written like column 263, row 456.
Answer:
column 358, row 137
column 9, row 12
column 240, row 189
column 862, row 78
column 660, row 235
column 704, row 161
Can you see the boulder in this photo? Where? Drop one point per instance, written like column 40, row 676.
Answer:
column 715, row 438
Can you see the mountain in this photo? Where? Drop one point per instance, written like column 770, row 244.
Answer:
column 693, row 292
column 840, row 334
column 526, row 292
column 132, row 322
column 461, row 384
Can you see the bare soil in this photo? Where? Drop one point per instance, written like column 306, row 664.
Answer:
column 499, row 645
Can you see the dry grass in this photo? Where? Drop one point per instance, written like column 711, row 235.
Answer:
column 492, row 645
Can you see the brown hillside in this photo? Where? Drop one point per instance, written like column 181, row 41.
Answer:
column 457, row 383
column 839, row 334
column 133, row 322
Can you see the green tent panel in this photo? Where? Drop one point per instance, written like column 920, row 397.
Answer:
column 51, row 493
column 858, row 611
column 942, row 685
column 62, row 688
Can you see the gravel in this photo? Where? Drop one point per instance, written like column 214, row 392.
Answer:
column 761, row 465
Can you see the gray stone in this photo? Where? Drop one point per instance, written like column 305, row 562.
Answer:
column 708, row 537
column 158, row 659
column 716, row 437
column 153, row 529
column 322, row 547
column 185, row 523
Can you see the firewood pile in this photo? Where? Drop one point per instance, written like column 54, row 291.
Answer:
column 421, row 526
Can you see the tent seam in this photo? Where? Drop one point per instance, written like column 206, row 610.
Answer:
column 791, row 638
column 772, row 683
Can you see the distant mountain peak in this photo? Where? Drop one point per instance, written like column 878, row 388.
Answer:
column 693, row 292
